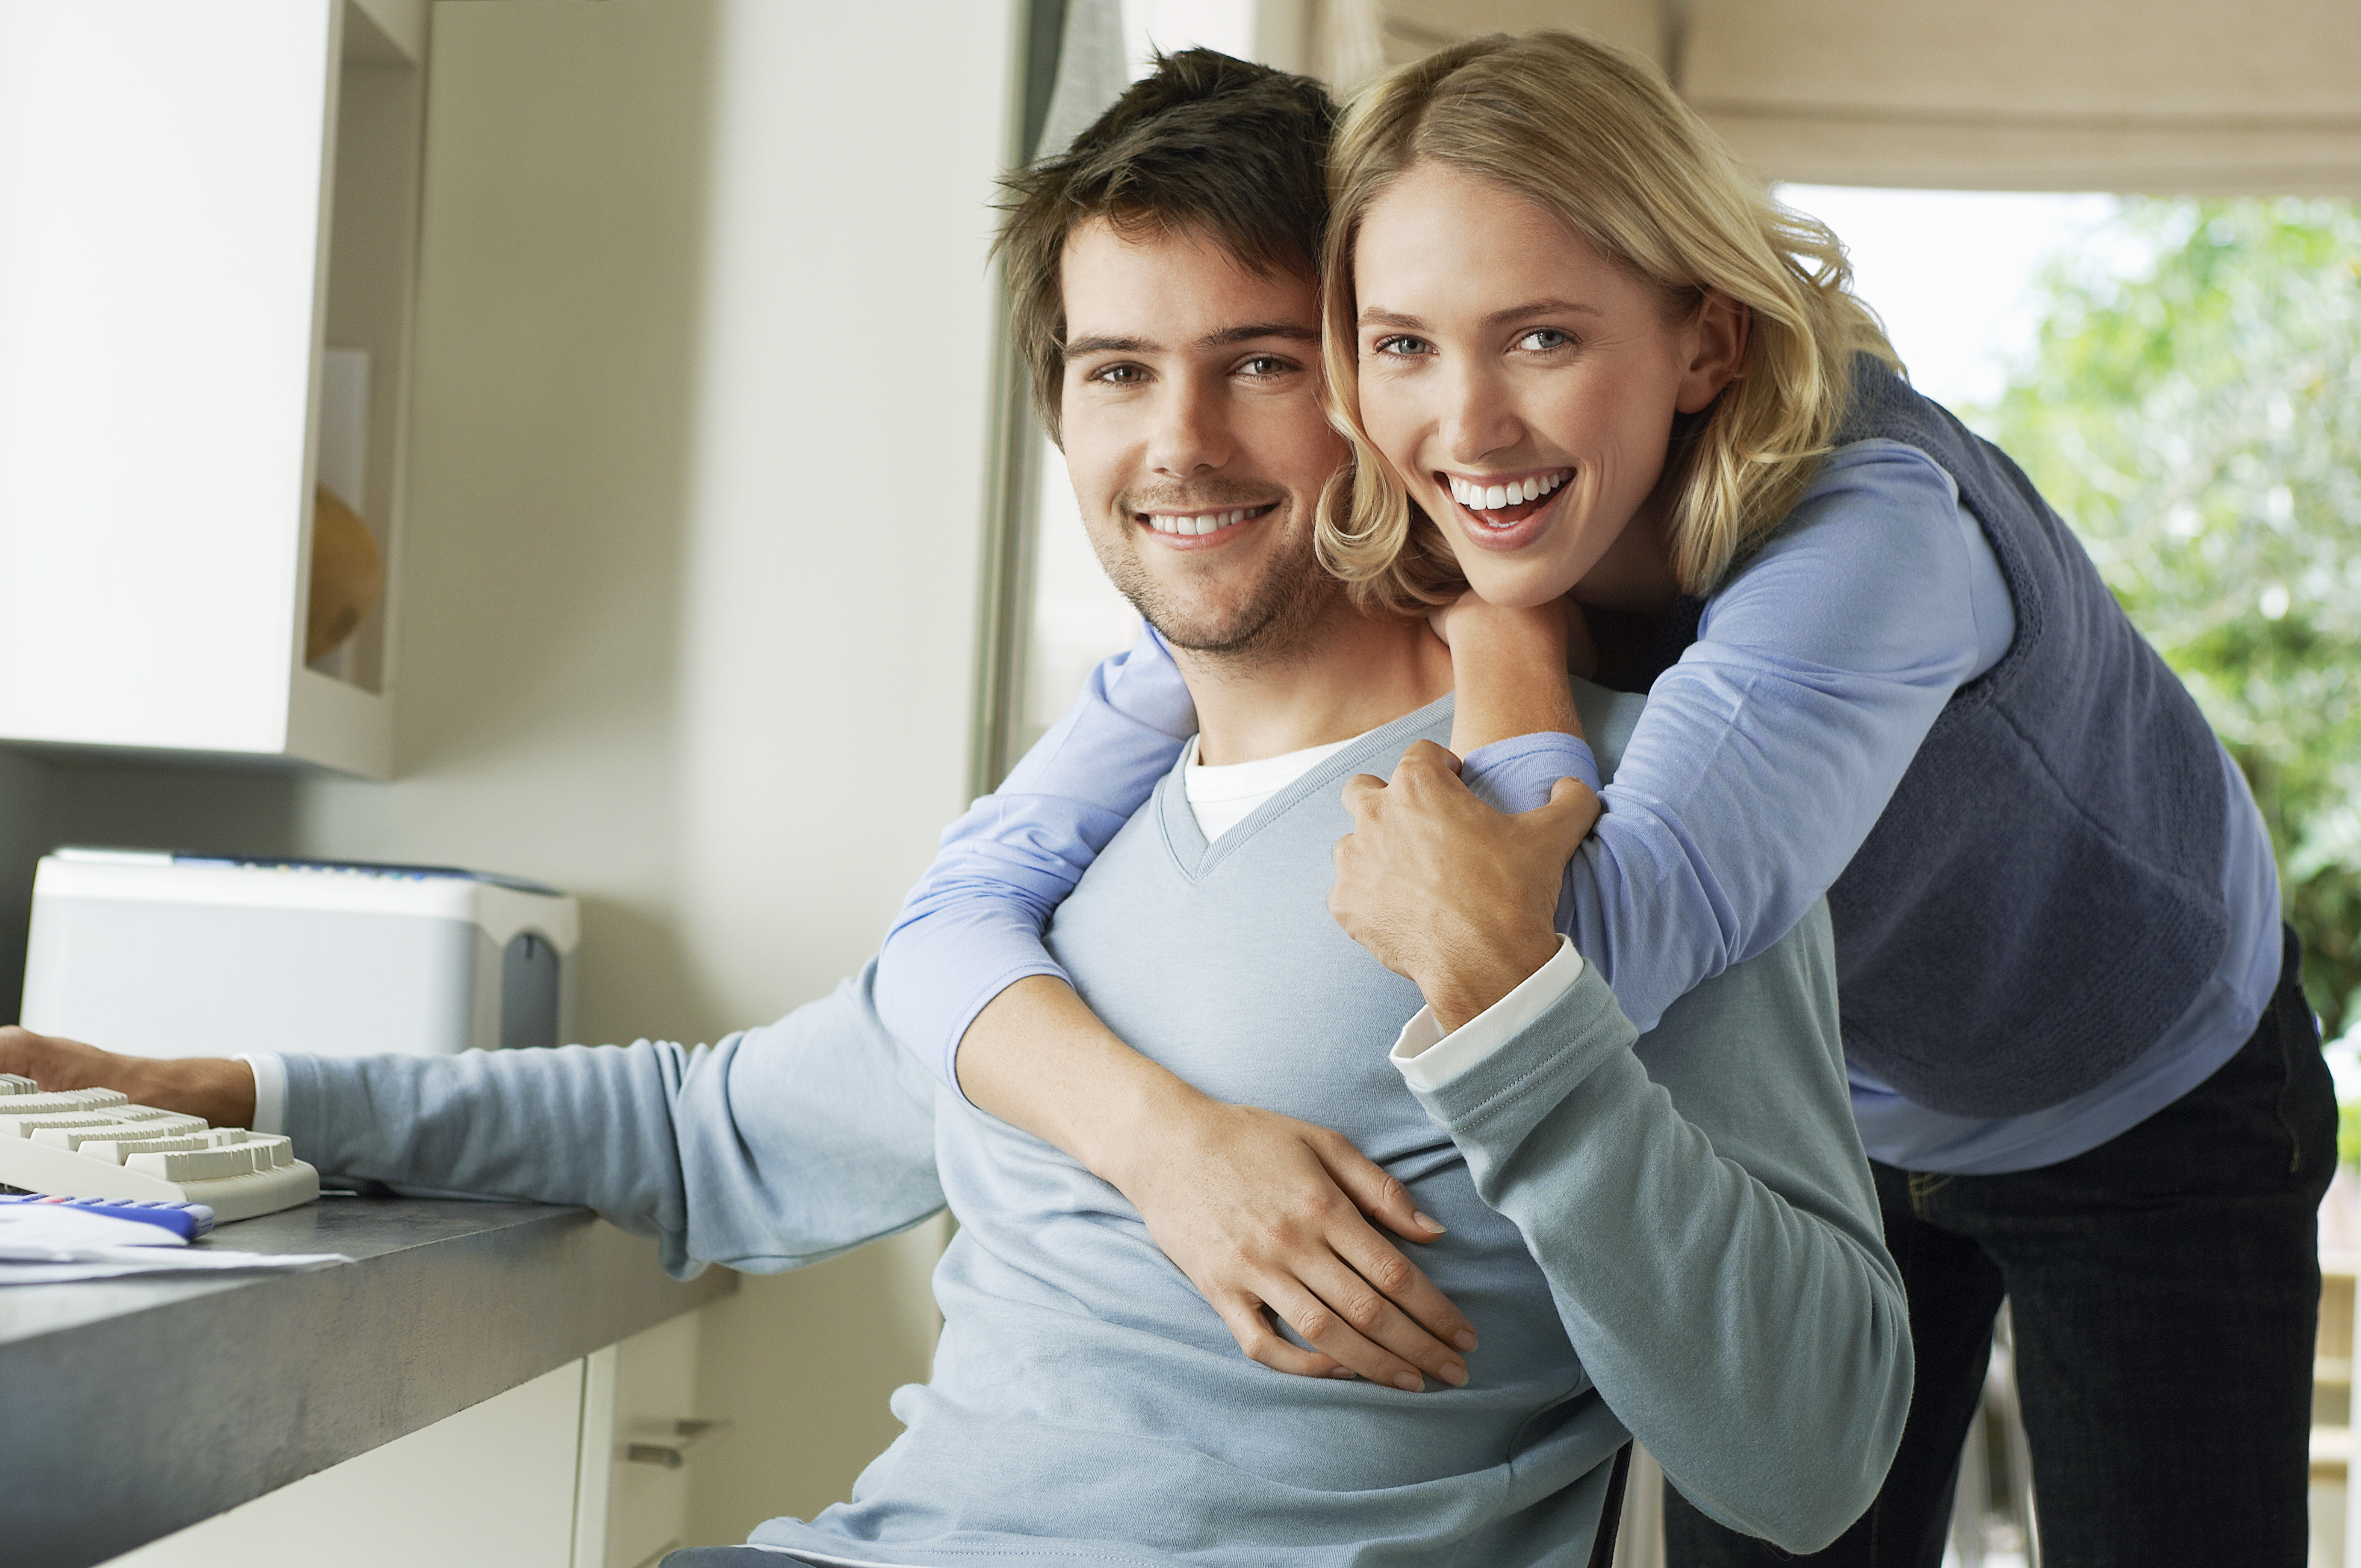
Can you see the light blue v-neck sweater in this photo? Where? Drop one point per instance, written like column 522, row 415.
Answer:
column 1676, row 1240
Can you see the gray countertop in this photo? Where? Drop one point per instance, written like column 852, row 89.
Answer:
column 130, row 1408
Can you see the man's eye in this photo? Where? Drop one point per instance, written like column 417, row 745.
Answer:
column 1542, row 339
column 1265, row 364
column 1400, row 345
column 1118, row 375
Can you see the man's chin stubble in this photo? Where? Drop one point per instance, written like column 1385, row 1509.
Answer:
column 1279, row 620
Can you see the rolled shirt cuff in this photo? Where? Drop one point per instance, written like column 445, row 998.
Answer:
column 1428, row 1057
column 269, row 1091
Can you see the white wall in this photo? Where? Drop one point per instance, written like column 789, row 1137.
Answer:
column 689, row 576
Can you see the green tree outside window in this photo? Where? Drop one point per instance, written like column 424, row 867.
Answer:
column 2200, row 425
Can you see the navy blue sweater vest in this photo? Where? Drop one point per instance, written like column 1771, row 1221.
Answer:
column 2042, row 897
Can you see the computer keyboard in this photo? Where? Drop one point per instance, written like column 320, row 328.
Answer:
column 94, row 1143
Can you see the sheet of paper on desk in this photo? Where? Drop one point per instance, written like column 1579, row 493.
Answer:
column 46, row 1244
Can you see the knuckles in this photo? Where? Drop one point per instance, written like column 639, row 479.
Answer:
column 1391, row 1273
column 1366, row 1312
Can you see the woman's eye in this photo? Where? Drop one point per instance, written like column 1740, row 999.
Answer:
column 1542, row 339
column 1398, row 346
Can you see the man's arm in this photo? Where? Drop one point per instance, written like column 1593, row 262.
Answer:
column 1701, row 1205
column 220, row 1090
column 780, row 1146
column 1704, row 1212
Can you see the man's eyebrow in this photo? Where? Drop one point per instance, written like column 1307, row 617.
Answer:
column 1252, row 332
column 1291, row 332
column 1110, row 345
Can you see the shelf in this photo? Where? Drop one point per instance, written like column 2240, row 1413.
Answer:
column 224, row 204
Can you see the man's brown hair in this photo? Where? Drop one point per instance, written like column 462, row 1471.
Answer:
column 1204, row 144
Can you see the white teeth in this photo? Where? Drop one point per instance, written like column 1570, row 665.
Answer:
column 1488, row 498
column 1190, row 527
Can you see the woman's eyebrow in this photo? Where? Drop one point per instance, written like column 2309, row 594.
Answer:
column 1541, row 308
column 1373, row 316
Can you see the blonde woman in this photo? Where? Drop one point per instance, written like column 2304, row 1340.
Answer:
column 1584, row 359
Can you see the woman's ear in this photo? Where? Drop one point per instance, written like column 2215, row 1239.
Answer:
column 1715, row 340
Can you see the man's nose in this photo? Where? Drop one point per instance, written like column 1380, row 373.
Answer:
column 1192, row 430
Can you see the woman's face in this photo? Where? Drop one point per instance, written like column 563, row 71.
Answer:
column 1523, row 387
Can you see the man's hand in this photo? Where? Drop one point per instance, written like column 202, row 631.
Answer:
column 220, row 1090
column 1448, row 892
column 1258, row 1209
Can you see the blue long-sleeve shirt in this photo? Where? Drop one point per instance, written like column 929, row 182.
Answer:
column 1673, row 1237
column 1764, row 757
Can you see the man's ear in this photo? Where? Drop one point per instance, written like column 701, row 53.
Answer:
column 1715, row 340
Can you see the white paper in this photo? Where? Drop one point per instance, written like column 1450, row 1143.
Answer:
column 59, row 1233
column 47, row 1243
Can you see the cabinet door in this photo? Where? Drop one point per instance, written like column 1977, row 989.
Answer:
column 493, row 1484
column 634, row 1503
column 161, row 353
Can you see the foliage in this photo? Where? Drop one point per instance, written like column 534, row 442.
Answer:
column 2199, row 424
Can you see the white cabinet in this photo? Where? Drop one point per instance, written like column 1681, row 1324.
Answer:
column 494, row 1484
column 633, row 1502
column 542, row 1476
column 199, row 201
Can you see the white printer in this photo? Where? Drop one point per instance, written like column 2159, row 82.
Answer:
column 175, row 955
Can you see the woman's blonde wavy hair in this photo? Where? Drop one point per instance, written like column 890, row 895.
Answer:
column 1599, row 138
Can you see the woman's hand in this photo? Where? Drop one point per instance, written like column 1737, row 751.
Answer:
column 1509, row 668
column 1258, row 1209
column 1448, row 892
column 1264, row 1211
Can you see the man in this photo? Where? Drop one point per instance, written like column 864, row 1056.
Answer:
column 1675, row 1239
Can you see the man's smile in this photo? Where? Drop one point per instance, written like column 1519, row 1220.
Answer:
column 1193, row 529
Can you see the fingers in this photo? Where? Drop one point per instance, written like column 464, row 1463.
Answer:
column 1425, row 759
column 1403, row 1283
column 1566, row 820
column 1374, row 1192
column 1338, row 1313
column 1242, row 1316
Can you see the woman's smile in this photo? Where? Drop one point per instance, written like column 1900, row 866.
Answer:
column 1522, row 386
column 1504, row 512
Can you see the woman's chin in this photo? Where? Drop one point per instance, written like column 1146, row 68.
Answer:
column 1511, row 588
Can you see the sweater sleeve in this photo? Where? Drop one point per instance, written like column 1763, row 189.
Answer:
column 972, row 928
column 779, row 1146
column 1768, row 752
column 1705, row 1215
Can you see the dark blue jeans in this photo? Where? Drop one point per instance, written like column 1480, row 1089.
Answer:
column 2163, row 1287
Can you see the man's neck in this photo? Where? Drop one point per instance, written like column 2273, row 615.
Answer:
column 1356, row 673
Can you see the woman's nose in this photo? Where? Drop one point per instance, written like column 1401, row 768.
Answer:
column 1477, row 418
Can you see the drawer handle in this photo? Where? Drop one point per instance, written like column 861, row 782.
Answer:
column 687, row 1436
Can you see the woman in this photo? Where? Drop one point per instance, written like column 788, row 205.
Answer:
column 1579, row 352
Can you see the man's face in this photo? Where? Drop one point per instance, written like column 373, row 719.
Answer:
column 1194, row 437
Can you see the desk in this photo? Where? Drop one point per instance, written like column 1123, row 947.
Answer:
column 131, row 1409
